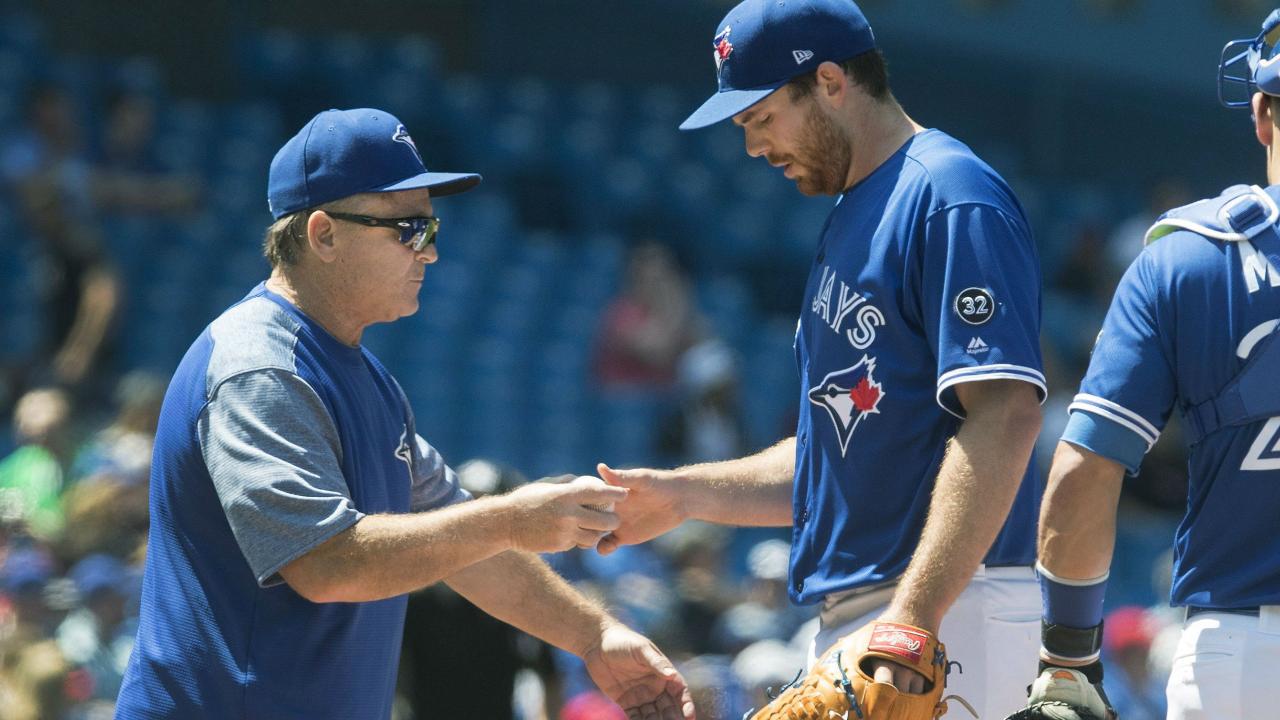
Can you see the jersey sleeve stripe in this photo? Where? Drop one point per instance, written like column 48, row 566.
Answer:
column 947, row 377
column 989, row 372
column 1148, row 427
column 1113, row 417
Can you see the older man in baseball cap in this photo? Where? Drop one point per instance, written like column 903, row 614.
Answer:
column 293, row 503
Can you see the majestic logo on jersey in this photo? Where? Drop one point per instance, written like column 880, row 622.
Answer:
column 848, row 396
column 722, row 47
column 404, row 452
column 836, row 308
column 975, row 306
column 977, row 346
column 402, row 136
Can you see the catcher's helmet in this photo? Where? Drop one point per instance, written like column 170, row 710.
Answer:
column 1253, row 63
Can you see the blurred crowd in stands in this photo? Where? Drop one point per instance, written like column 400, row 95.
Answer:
column 559, row 330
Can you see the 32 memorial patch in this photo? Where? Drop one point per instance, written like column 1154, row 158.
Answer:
column 975, row 306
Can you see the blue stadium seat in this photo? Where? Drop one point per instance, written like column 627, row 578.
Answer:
column 727, row 303
column 347, row 62
column 595, row 99
column 415, row 55
column 23, row 33
column 770, row 385
column 272, row 60
column 626, row 425
column 532, row 96
column 138, row 74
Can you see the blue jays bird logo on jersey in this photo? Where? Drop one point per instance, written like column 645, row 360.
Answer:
column 404, row 453
column 402, row 136
column 848, row 396
column 722, row 47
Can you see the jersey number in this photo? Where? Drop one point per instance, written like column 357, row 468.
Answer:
column 1264, row 453
column 974, row 306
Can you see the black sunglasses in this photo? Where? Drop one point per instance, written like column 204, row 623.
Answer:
column 416, row 233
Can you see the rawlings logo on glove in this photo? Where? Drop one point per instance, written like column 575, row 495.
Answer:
column 839, row 685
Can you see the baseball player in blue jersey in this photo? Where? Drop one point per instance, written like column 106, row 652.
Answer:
column 1192, row 327
column 908, row 482
column 294, row 505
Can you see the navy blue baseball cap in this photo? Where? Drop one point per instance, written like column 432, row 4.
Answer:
column 762, row 44
column 346, row 152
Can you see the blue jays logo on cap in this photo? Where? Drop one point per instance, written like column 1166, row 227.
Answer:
column 722, row 48
column 773, row 42
column 402, row 136
column 848, row 396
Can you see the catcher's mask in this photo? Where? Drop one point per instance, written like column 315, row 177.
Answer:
column 1250, row 65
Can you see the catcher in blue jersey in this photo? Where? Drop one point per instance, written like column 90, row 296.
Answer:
column 908, row 482
column 1193, row 328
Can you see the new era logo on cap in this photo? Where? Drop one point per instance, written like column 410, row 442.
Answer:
column 801, row 55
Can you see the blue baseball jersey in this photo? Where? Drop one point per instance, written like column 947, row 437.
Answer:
column 273, row 438
column 1186, row 316
column 926, row 277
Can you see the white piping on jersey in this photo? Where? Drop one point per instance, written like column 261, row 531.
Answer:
column 1000, row 371
column 1273, row 213
column 983, row 369
column 1117, row 407
column 1118, row 414
column 1255, row 335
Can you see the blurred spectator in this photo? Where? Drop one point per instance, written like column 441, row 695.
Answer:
column 34, row 683
column 123, row 449
column 1134, row 692
column 716, row 692
column 62, row 195
column 31, row 477
column 650, row 324
column 707, row 424
column 765, row 613
column 27, row 616
column 129, row 133
column 1126, row 240
column 104, row 515
column 126, row 176
column 591, row 705
column 96, row 637
column 765, row 667
column 44, row 165
column 697, row 550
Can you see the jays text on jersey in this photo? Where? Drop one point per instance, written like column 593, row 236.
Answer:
column 1192, row 311
column 925, row 277
column 273, row 438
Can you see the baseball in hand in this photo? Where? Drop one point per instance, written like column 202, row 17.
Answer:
column 593, row 480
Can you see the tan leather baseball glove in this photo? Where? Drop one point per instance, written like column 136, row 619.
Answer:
column 840, row 683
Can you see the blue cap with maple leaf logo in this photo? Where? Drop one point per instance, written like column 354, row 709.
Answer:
column 762, row 44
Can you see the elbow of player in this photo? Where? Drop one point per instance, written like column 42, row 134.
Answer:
column 317, row 581
column 321, row 593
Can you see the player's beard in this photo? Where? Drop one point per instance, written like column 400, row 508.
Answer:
column 824, row 153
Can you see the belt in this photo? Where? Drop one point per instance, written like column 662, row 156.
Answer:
column 1193, row 610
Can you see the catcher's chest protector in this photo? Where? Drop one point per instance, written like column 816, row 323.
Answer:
column 1247, row 214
